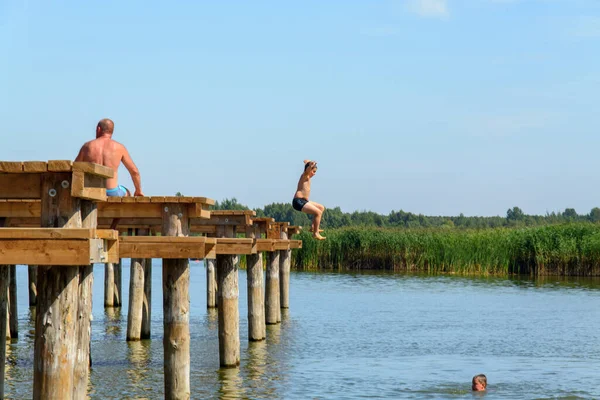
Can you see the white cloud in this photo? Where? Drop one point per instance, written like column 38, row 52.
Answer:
column 429, row 8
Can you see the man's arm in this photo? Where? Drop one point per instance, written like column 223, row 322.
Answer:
column 80, row 155
column 133, row 171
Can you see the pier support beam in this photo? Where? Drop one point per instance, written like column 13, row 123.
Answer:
column 32, row 278
column 228, row 304
column 136, row 299
column 112, row 285
column 12, row 303
column 273, row 311
column 4, row 276
column 285, row 258
column 140, row 289
column 211, row 282
column 257, row 329
column 147, row 303
column 58, row 290
column 176, row 308
column 89, row 215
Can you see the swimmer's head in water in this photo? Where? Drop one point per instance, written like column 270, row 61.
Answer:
column 479, row 383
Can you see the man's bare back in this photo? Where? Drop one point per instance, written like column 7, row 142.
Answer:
column 110, row 153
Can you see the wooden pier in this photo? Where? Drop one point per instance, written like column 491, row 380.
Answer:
column 55, row 217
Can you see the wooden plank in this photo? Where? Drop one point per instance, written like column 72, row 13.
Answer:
column 11, row 166
column 110, row 234
column 207, row 229
column 203, row 200
column 160, row 250
column 164, row 239
column 129, row 210
column 93, row 169
column 20, row 209
column 114, row 199
column 60, row 165
column 234, row 246
column 157, row 199
column 295, row 244
column 197, row 211
column 140, row 199
column 89, row 187
column 265, row 245
column 137, row 223
column 282, row 244
column 20, row 186
column 45, row 251
column 222, row 220
column 35, row 166
column 233, row 212
column 56, row 233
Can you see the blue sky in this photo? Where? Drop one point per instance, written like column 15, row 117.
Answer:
column 430, row 106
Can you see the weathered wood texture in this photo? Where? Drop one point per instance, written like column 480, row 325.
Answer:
column 229, row 329
column 211, row 282
column 285, row 257
column 273, row 311
column 4, row 277
column 147, row 304
column 13, row 311
column 32, row 285
column 228, row 304
column 112, row 284
column 176, row 307
column 256, row 299
column 89, row 215
column 136, row 300
column 58, row 287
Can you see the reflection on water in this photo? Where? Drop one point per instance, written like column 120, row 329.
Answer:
column 139, row 357
column 358, row 335
column 230, row 384
column 113, row 321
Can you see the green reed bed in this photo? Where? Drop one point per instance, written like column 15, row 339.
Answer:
column 570, row 249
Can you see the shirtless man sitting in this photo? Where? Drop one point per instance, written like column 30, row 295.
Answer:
column 105, row 151
column 301, row 202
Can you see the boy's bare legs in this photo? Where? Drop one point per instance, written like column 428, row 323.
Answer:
column 322, row 208
column 316, row 210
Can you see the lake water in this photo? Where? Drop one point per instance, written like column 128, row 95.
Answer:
column 353, row 336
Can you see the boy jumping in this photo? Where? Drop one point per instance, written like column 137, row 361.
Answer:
column 301, row 202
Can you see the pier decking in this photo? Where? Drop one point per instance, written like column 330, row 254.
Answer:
column 55, row 215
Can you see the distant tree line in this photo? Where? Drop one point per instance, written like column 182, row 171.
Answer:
column 335, row 218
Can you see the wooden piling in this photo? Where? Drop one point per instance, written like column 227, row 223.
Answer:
column 4, row 277
column 176, row 306
column 58, row 289
column 211, row 282
column 273, row 311
column 12, row 300
column 256, row 300
column 136, row 299
column 285, row 257
column 32, row 278
column 257, row 329
column 228, row 305
column 89, row 215
column 147, row 304
column 112, row 284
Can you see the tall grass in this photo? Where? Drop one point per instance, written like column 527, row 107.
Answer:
column 569, row 249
